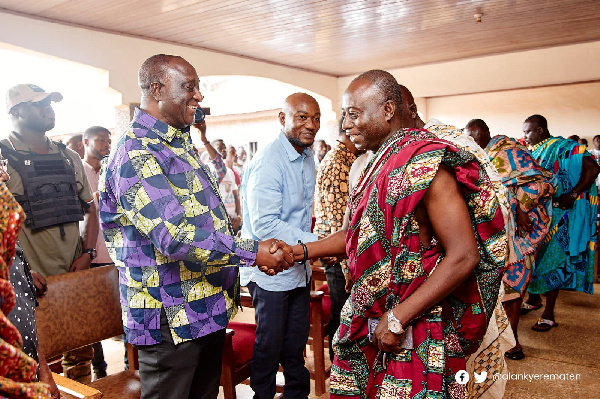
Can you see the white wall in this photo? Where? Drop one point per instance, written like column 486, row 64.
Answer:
column 505, row 89
column 532, row 68
column 570, row 109
column 123, row 55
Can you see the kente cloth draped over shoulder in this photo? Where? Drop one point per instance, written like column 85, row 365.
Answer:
column 566, row 258
column 489, row 357
column 18, row 372
column 530, row 189
column 388, row 263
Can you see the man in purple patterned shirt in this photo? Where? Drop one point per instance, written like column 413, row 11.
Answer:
column 169, row 235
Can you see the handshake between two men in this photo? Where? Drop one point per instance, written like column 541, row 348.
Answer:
column 275, row 256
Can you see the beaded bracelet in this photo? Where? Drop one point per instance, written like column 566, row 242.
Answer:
column 305, row 251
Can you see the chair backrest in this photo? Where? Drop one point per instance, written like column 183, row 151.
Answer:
column 79, row 309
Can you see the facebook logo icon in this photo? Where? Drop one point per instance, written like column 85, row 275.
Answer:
column 462, row 377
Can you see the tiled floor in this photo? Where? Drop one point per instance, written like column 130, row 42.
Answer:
column 571, row 348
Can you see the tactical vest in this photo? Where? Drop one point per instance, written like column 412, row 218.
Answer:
column 50, row 188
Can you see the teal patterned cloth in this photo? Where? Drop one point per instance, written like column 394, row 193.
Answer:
column 566, row 258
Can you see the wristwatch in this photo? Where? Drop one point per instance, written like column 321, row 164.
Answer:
column 394, row 324
column 574, row 194
column 91, row 251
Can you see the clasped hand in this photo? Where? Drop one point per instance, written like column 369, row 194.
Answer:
column 524, row 223
column 274, row 256
column 565, row 201
column 384, row 339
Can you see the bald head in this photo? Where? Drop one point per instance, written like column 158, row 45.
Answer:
column 155, row 69
column 535, row 129
column 170, row 90
column 300, row 119
column 410, row 116
column 407, row 96
column 385, row 84
column 75, row 143
column 371, row 108
column 293, row 101
column 479, row 131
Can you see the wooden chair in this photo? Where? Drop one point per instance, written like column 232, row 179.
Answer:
column 319, row 283
column 237, row 356
column 80, row 309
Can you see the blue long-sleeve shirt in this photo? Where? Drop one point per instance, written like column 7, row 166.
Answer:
column 278, row 190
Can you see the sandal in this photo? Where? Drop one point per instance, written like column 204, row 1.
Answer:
column 515, row 353
column 526, row 308
column 543, row 325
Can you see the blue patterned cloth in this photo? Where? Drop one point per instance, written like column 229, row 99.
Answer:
column 169, row 235
column 530, row 189
column 566, row 258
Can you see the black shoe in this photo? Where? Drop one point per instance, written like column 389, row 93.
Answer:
column 515, row 353
column 99, row 373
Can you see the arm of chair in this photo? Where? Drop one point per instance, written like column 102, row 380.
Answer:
column 316, row 313
column 227, row 367
column 132, row 357
column 246, row 300
column 318, row 274
column 73, row 389
column 318, row 339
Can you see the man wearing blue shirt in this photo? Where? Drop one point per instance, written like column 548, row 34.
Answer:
column 278, row 190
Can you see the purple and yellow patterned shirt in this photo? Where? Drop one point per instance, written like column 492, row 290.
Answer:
column 169, row 235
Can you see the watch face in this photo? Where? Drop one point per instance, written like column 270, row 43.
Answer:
column 395, row 326
column 92, row 253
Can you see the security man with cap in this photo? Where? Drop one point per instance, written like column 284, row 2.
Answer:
column 49, row 182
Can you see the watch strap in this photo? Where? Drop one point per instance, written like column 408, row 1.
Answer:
column 90, row 251
column 393, row 320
